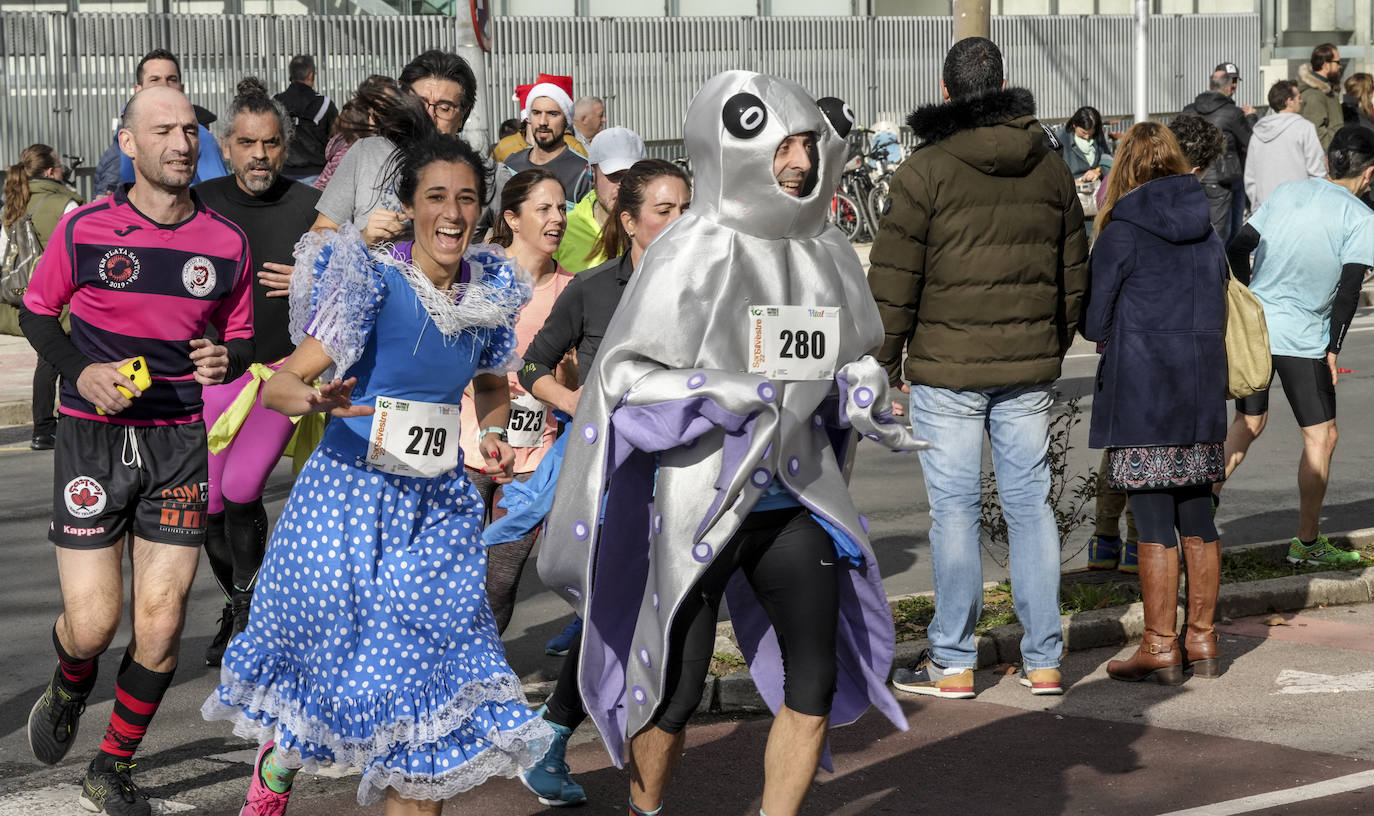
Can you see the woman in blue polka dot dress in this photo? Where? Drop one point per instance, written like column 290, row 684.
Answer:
column 371, row 644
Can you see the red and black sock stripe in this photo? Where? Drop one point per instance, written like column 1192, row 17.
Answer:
column 138, row 692
column 75, row 675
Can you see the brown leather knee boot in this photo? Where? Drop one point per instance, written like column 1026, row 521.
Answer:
column 1204, row 579
column 1158, row 656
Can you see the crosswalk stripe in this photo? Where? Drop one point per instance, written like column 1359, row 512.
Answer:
column 1289, row 796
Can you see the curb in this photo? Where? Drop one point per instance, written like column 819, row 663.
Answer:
column 1115, row 626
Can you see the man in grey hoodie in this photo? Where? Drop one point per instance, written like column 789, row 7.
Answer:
column 1284, row 147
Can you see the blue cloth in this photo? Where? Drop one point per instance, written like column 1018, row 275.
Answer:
column 1308, row 230
column 1015, row 419
column 528, row 502
column 371, row 643
column 209, row 161
column 1158, row 304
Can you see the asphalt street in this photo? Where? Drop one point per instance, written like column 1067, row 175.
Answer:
column 1210, row 734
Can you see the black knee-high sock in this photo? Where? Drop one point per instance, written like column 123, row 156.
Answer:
column 246, row 528
column 75, row 675
column 217, row 550
column 138, row 693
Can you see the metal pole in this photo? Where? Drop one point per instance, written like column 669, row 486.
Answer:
column 972, row 18
column 1142, row 43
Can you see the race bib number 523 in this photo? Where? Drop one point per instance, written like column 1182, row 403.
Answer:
column 794, row 342
column 412, row 438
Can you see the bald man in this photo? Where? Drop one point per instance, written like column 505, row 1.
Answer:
column 144, row 272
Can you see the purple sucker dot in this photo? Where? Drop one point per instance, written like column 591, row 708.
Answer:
column 702, row 552
column 794, row 466
column 761, row 477
column 768, row 451
column 574, row 591
column 873, row 436
column 644, row 657
column 580, row 530
column 817, row 421
column 863, row 397
column 638, row 694
column 863, row 522
column 655, row 600
column 767, row 393
column 697, row 380
column 588, row 434
column 658, row 522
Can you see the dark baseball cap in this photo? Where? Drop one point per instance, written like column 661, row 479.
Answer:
column 1228, row 68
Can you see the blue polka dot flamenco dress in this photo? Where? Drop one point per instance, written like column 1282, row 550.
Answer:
column 371, row 645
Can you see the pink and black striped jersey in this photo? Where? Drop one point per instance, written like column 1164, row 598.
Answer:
column 137, row 287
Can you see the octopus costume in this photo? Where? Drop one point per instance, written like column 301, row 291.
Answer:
column 678, row 440
column 370, row 643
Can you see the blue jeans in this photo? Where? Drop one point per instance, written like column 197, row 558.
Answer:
column 1016, row 419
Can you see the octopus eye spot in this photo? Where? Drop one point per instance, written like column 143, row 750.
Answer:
column 744, row 115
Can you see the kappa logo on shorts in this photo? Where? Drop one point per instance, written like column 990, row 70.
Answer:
column 84, row 497
column 198, row 276
column 119, row 268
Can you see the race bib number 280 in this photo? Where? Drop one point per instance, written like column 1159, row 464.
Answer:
column 413, row 438
column 794, row 342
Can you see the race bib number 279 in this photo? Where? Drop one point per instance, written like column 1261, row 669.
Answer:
column 794, row 342
column 413, row 438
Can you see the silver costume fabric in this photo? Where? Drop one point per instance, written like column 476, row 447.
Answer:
column 677, row 441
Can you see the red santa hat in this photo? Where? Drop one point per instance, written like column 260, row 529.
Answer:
column 557, row 88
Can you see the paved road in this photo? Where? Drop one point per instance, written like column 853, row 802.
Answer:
column 1260, row 505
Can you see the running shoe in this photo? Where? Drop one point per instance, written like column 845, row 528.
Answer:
column 1104, row 551
column 550, row 779
column 214, row 653
column 239, row 608
column 113, row 792
column 925, row 676
column 53, row 722
column 559, row 646
column 262, row 800
column 1322, row 553
column 1042, row 681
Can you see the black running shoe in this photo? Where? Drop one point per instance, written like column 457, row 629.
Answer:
column 239, row 609
column 53, row 722
column 214, row 653
column 114, row 792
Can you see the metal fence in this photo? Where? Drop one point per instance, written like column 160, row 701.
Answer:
column 67, row 75
column 648, row 69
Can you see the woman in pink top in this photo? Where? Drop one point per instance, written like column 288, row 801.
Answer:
column 534, row 220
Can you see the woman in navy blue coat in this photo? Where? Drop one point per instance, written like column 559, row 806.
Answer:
column 1158, row 306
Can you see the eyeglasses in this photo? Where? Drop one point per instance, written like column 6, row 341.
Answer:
column 443, row 109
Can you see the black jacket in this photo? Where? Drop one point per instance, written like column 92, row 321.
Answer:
column 313, row 115
column 578, row 320
column 1221, row 110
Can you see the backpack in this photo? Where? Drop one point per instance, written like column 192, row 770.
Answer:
column 22, row 251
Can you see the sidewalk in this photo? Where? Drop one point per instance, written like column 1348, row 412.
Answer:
column 17, row 360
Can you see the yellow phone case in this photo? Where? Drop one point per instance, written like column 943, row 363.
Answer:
column 136, row 370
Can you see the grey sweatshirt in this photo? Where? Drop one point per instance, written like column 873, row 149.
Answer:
column 1285, row 147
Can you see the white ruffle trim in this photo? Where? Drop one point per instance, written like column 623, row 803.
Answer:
column 490, row 299
column 511, row 753
column 334, row 299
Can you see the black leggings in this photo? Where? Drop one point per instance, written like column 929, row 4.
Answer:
column 790, row 563
column 1159, row 512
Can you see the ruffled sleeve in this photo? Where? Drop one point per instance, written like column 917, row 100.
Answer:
column 336, row 290
column 507, row 288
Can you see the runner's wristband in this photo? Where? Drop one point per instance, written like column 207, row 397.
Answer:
column 495, row 429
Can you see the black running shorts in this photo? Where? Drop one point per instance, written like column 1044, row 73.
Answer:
column 110, row 480
column 1306, row 383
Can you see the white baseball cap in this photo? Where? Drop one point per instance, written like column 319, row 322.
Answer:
column 615, row 149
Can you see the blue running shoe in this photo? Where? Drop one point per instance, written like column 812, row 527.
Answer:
column 1104, row 551
column 559, row 646
column 550, row 779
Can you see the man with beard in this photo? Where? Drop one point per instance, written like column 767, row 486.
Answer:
column 145, row 273
column 1224, row 180
column 549, row 109
column 1321, row 92
column 246, row 440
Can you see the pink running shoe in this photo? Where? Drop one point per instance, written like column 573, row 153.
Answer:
column 262, row 800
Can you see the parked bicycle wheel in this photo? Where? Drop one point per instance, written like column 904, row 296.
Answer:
column 878, row 199
column 845, row 215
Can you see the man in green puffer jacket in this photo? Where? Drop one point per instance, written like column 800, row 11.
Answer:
column 979, row 271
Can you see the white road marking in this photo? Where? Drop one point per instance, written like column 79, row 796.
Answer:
column 1301, row 682
column 61, row 800
column 1273, row 799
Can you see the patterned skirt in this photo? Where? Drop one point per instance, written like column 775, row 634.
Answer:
column 1160, row 467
